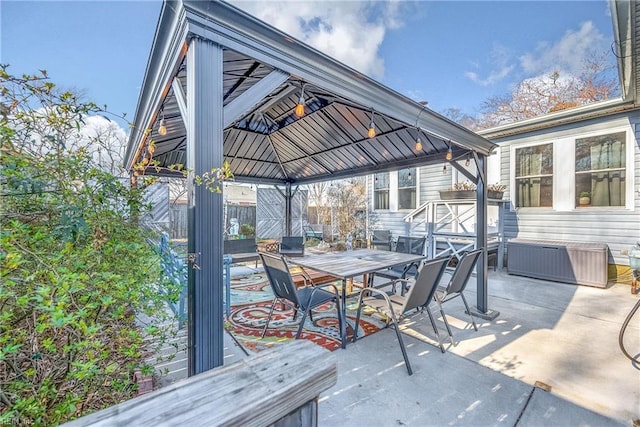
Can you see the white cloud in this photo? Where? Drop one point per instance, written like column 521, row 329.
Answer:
column 105, row 140
column 567, row 54
column 500, row 62
column 494, row 76
column 349, row 31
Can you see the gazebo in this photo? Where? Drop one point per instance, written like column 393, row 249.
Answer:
column 221, row 85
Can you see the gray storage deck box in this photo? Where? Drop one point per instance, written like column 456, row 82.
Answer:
column 570, row 262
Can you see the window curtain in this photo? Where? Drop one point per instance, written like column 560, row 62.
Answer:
column 529, row 188
column 607, row 188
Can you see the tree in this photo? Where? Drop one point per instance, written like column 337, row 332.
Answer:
column 75, row 266
column 460, row 117
column 551, row 92
column 347, row 201
column 318, row 195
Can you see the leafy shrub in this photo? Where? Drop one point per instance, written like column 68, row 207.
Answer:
column 247, row 230
column 75, row 266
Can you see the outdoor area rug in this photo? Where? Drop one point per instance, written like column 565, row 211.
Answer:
column 251, row 300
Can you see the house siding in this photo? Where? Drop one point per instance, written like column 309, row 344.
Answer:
column 618, row 227
column 430, row 180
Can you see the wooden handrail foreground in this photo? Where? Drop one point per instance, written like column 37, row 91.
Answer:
column 277, row 387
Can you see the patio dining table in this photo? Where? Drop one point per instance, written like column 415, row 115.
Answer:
column 350, row 264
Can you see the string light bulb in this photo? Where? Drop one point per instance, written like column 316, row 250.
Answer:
column 371, row 133
column 418, row 144
column 409, row 176
column 449, row 154
column 444, row 169
column 299, row 111
column 162, row 129
column 468, row 161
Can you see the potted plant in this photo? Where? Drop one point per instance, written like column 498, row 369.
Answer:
column 585, row 198
column 495, row 191
column 459, row 190
column 467, row 190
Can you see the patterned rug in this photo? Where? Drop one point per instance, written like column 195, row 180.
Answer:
column 251, row 299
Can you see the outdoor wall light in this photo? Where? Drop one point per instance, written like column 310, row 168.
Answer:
column 300, row 106
column 371, row 133
column 449, row 155
column 418, row 144
column 162, row 129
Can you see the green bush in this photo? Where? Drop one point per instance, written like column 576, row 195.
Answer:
column 247, row 230
column 75, row 267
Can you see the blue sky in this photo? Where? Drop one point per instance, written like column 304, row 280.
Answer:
column 449, row 53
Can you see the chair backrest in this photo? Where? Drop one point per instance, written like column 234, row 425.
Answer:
column 463, row 271
column 279, row 276
column 411, row 245
column 381, row 238
column 429, row 275
column 292, row 245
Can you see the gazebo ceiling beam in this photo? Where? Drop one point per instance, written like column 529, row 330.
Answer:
column 252, row 96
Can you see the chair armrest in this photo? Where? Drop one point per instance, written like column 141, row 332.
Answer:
column 373, row 291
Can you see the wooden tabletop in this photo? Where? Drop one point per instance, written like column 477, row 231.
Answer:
column 354, row 263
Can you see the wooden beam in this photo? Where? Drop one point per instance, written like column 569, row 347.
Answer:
column 257, row 391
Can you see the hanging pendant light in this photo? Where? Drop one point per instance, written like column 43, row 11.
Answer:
column 468, row 161
column 444, row 169
column 449, row 154
column 162, row 129
column 371, row 133
column 299, row 111
column 418, row 146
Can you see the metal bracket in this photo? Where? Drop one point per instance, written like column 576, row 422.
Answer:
column 192, row 259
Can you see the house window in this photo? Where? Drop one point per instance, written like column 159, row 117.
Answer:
column 600, row 170
column 534, row 176
column 381, row 191
column 407, row 188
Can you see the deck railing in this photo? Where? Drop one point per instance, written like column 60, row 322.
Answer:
column 278, row 387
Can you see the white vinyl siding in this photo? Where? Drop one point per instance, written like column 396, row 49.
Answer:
column 618, row 226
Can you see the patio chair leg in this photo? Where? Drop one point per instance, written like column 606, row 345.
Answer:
column 355, row 329
column 266, row 325
column 404, row 350
column 343, row 339
column 464, row 300
column 435, row 328
column 304, row 317
column 446, row 323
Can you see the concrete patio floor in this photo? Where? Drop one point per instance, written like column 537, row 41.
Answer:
column 563, row 337
column 560, row 335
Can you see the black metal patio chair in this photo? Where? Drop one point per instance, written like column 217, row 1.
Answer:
column 292, row 246
column 456, row 286
column 418, row 296
column 408, row 245
column 381, row 239
column 304, row 299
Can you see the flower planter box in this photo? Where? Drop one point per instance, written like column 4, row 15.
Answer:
column 467, row 194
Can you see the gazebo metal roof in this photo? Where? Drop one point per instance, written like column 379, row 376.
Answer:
column 263, row 73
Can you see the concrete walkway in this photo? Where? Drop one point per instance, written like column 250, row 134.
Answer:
column 559, row 336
